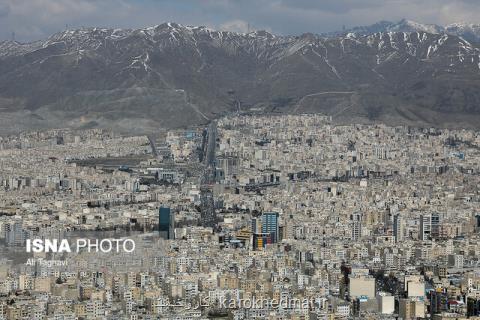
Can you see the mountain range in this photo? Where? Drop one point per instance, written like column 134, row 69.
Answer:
column 467, row 31
column 170, row 75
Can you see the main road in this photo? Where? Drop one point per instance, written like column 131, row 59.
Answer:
column 208, row 217
column 209, row 158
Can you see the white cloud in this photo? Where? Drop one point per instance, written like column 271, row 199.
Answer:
column 235, row 26
column 33, row 19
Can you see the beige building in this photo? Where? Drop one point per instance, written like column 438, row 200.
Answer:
column 415, row 289
column 411, row 309
column 362, row 286
column 386, row 303
column 43, row 284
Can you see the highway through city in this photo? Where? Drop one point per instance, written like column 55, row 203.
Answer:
column 208, row 218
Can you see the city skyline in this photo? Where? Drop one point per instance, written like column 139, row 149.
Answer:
column 250, row 217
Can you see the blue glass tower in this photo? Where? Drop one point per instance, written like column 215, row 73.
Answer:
column 270, row 225
column 166, row 223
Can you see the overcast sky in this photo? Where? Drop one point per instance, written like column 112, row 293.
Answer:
column 37, row 19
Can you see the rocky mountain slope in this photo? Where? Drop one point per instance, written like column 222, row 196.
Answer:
column 172, row 75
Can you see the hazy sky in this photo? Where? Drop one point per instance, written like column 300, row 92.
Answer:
column 37, row 19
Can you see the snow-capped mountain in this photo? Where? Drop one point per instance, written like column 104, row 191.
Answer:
column 9, row 48
column 412, row 26
column 470, row 32
column 175, row 75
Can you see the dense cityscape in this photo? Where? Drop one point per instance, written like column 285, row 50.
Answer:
column 250, row 217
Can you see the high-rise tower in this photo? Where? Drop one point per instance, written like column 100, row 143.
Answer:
column 166, row 223
column 270, row 225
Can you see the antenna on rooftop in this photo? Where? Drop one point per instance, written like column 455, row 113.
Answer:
column 66, row 27
column 13, row 36
column 248, row 28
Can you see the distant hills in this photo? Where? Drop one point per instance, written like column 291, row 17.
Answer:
column 172, row 75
